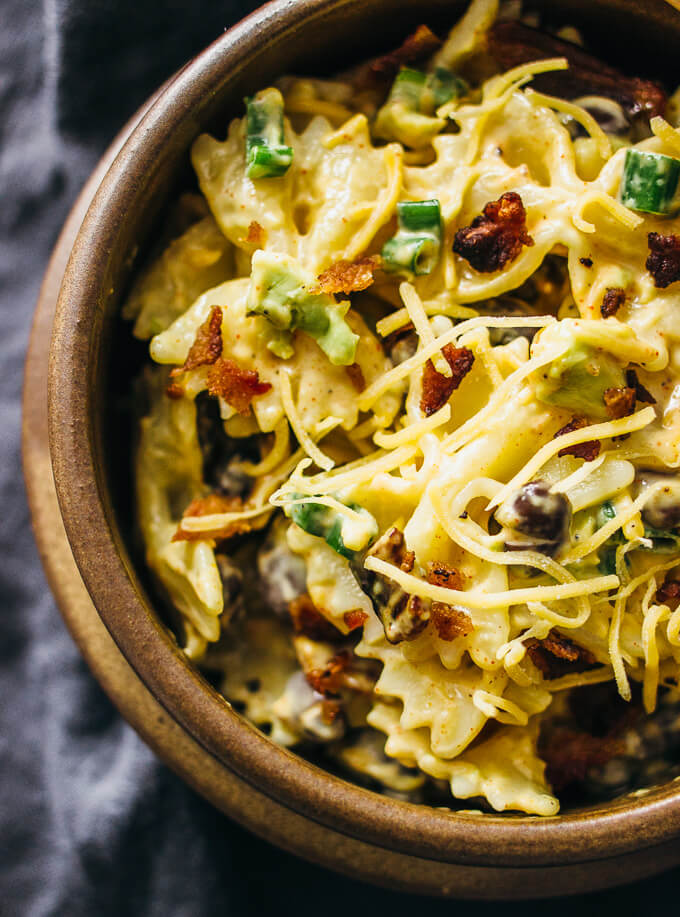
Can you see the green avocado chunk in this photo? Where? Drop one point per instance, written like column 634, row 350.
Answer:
column 578, row 380
column 280, row 291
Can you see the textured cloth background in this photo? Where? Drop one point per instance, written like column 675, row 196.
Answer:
column 91, row 823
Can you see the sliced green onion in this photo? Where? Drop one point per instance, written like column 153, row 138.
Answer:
column 408, row 115
column 267, row 156
column 416, row 247
column 650, row 182
column 337, row 530
column 445, row 86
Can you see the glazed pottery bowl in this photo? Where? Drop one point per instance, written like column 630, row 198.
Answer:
column 91, row 366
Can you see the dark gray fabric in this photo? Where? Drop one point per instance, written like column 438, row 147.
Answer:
column 91, row 823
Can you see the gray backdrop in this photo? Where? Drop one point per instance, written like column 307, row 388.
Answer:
column 91, row 823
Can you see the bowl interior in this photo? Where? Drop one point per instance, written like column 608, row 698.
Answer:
column 94, row 360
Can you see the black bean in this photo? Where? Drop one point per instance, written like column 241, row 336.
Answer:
column 536, row 512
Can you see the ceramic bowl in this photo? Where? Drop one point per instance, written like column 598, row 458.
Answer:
column 312, row 812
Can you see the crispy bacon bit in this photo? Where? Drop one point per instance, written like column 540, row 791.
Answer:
column 437, row 389
column 422, row 43
column 569, row 755
column 348, row 276
column 392, row 548
column 331, row 678
column 174, row 391
column 588, row 450
column 442, row 574
column 586, row 262
column 309, row 621
column 355, row 618
column 669, row 594
column 620, row 402
column 512, row 44
column 449, row 621
column 257, row 235
column 612, row 301
column 641, row 393
column 403, row 616
column 211, row 505
column 496, row 236
column 207, row 346
column 663, row 261
column 237, row 386
column 356, row 376
column 557, row 655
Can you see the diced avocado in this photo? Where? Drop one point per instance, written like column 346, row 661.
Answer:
column 280, row 291
column 578, row 379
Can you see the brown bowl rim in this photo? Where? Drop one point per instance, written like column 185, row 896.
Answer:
column 616, row 828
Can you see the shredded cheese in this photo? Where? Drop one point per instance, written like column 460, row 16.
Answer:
column 321, row 459
column 595, row 431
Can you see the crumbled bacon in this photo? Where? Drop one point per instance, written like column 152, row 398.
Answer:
column 641, row 393
column 348, row 276
column 513, row 43
column 355, row 618
column 588, row 450
column 237, row 386
column 331, row 678
column 450, row 622
column 422, row 43
column 669, row 594
column 570, row 754
column 308, row 620
column 403, row 616
column 207, row 346
column 257, row 235
column 174, row 391
column 619, row 402
column 663, row 261
column 392, row 548
column 214, row 504
column 496, row 236
column 442, row 574
column 556, row 655
column 612, row 301
column 437, row 388
column 356, row 376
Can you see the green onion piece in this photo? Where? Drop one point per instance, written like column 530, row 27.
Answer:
column 650, row 183
column 663, row 540
column 415, row 248
column 445, row 86
column 408, row 88
column 337, row 530
column 408, row 115
column 280, row 291
column 267, row 156
column 420, row 216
